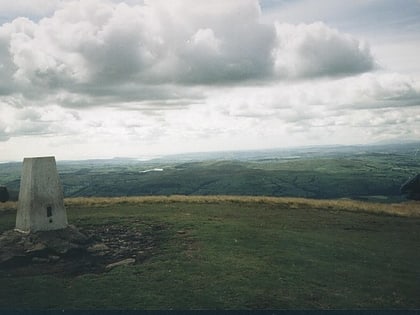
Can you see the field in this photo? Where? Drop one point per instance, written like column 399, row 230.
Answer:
column 233, row 252
column 362, row 173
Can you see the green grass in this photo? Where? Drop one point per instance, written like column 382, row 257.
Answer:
column 240, row 254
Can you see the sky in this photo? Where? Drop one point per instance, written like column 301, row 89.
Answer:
column 138, row 78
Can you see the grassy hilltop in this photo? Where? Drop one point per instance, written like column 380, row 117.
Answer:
column 233, row 252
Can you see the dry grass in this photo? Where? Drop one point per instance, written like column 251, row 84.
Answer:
column 406, row 209
column 9, row 205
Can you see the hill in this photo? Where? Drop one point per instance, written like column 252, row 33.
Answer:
column 357, row 172
column 233, row 252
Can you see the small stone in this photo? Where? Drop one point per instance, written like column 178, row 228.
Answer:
column 181, row 232
column 38, row 247
column 125, row 262
column 99, row 247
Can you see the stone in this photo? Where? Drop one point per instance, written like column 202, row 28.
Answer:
column 41, row 201
column 98, row 248
column 34, row 248
column 15, row 245
column 70, row 234
column 125, row 262
column 73, row 251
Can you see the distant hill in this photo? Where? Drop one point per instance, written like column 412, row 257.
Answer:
column 359, row 172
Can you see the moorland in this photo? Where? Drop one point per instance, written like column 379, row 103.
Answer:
column 356, row 172
column 308, row 229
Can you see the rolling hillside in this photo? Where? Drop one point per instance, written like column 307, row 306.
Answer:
column 356, row 172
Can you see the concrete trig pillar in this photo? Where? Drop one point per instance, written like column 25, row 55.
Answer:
column 41, row 204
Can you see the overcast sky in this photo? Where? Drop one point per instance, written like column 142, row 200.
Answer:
column 98, row 79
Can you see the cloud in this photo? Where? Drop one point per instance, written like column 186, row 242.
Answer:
column 37, row 121
column 107, row 43
column 7, row 67
column 300, row 100
column 97, row 48
column 314, row 50
column 4, row 135
column 103, row 76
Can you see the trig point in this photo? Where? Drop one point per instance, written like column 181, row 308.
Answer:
column 41, row 204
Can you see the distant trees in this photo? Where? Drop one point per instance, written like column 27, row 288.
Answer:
column 4, row 194
column 411, row 188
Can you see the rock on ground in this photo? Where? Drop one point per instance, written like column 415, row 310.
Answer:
column 128, row 261
column 73, row 251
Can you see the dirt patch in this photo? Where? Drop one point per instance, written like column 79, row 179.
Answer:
column 74, row 251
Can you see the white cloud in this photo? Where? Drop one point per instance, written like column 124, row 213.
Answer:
column 317, row 50
column 365, row 91
column 92, row 45
column 104, row 43
column 110, row 78
column 390, row 28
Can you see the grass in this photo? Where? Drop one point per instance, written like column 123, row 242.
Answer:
column 227, row 252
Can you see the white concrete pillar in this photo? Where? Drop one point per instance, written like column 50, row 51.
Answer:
column 41, row 204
